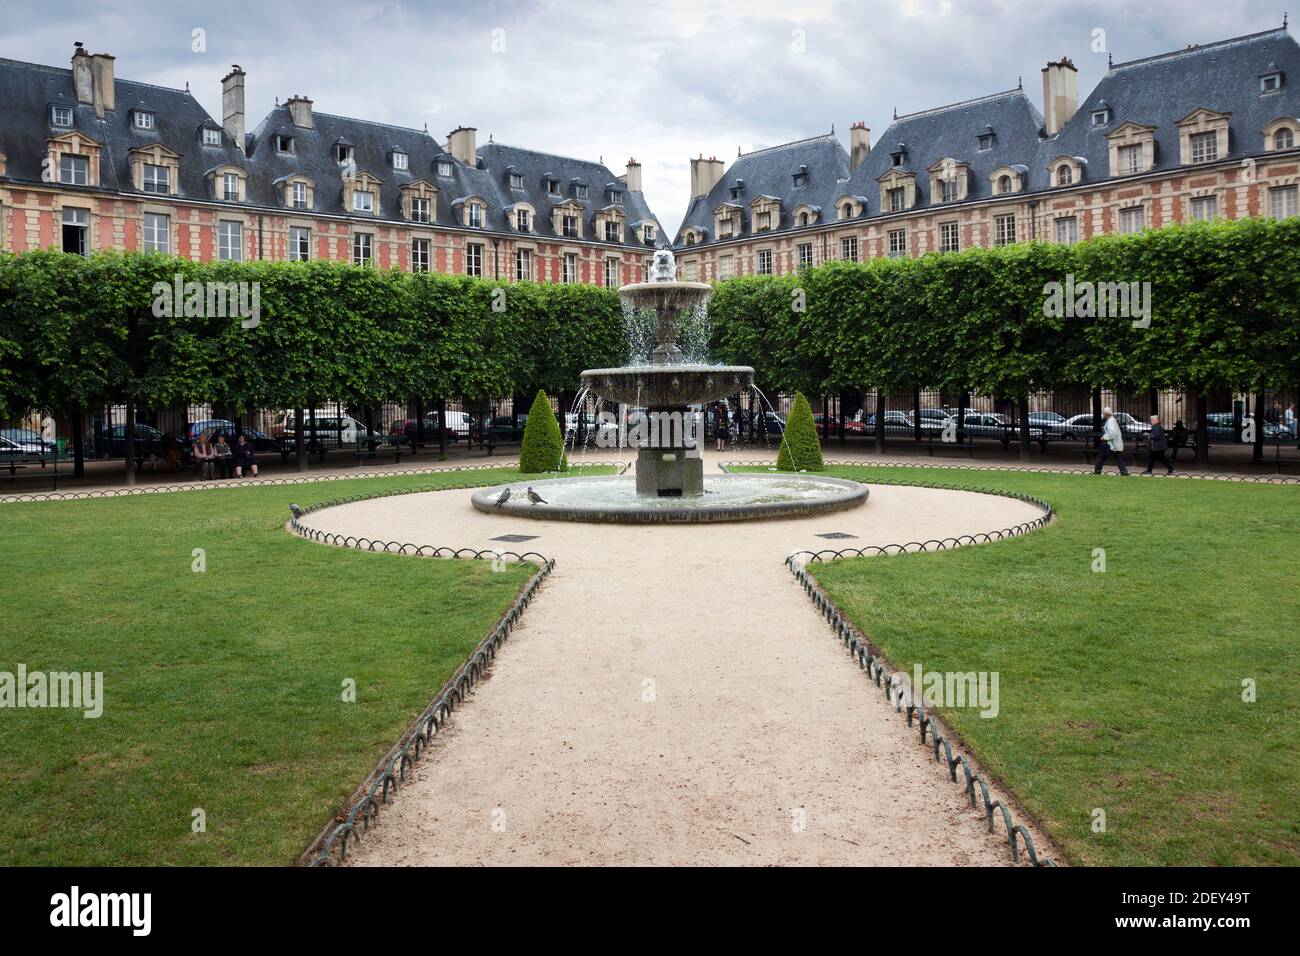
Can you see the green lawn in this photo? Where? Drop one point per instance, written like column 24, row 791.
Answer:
column 223, row 689
column 1120, row 690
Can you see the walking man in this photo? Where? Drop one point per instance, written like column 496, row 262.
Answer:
column 1112, row 442
column 1158, row 444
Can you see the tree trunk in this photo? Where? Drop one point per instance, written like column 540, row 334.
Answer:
column 1202, row 431
column 1257, row 452
column 916, row 415
column 1024, row 427
column 129, row 434
column 78, row 441
column 963, row 403
column 880, row 422
column 1096, row 413
column 442, row 430
column 299, row 439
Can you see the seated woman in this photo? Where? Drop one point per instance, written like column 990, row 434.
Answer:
column 224, row 457
column 204, row 456
column 245, row 458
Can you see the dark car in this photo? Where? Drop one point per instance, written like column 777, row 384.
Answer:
column 25, row 443
column 897, row 422
column 503, row 429
column 112, row 441
column 261, row 442
column 1052, row 424
column 1219, row 429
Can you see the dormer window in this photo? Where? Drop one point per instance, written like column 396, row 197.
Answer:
column 211, row 137
column 157, row 179
column 899, row 156
column 738, row 189
column 801, row 177
column 444, row 168
column 764, row 221
column 1004, row 184
column 1284, row 138
column 616, row 197
column 298, row 196
column 343, row 153
column 1270, row 82
column 363, row 201
column 521, row 220
column 475, row 212
column 1101, row 117
column 230, row 187
column 803, row 219
column 1205, row 147
column 1064, row 174
column 613, row 231
column 400, row 160
column 143, row 119
column 580, row 190
column 986, row 140
column 283, row 144
column 420, row 210
column 61, row 116
column 648, row 234
column 690, row 238
column 516, row 181
column 553, row 187
column 846, row 211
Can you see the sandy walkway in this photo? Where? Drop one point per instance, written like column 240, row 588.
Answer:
column 672, row 698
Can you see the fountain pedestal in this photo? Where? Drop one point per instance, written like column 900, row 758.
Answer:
column 669, row 473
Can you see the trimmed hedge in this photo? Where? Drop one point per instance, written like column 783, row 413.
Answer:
column 543, row 444
column 801, row 449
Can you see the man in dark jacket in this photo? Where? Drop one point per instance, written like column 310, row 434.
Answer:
column 1158, row 445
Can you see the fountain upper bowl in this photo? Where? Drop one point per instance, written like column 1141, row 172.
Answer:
column 668, row 386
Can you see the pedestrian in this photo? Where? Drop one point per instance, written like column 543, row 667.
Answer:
column 1157, row 445
column 223, row 456
column 1178, row 438
column 245, row 459
column 204, row 456
column 1290, row 420
column 1112, row 443
column 1274, row 415
column 722, row 430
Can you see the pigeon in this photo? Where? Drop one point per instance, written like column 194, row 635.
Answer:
column 535, row 498
column 295, row 511
column 503, row 498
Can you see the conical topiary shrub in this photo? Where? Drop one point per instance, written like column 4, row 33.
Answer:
column 801, row 450
column 543, row 447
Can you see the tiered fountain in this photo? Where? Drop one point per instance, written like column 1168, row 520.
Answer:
column 669, row 483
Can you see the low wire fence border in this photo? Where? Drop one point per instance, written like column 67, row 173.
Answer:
column 1035, row 469
column 197, row 485
column 390, row 772
column 878, row 668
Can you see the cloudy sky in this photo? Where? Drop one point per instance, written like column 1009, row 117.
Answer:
column 662, row 80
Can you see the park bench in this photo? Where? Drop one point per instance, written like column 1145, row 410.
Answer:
column 15, row 463
column 966, row 447
column 383, row 446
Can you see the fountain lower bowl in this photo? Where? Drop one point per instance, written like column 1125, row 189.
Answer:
column 729, row 497
column 668, row 386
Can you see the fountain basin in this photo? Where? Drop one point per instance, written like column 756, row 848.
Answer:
column 668, row 386
column 726, row 498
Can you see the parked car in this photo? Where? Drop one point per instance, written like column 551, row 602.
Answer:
column 261, row 442
column 1051, row 423
column 1219, row 429
column 898, row 422
column 112, row 441
column 330, row 431
column 25, row 443
column 458, row 428
column 932, row 419
column 1081, row 426
column 503, row 429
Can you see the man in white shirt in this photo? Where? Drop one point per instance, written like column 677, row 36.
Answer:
column 1112, row 442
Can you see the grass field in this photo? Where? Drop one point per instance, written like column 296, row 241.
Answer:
column 1120, row 690
column 223, row 689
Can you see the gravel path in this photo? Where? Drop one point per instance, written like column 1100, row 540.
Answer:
column 672, row 698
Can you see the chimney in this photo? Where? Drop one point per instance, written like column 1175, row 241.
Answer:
column 859, row 144
column 83, row 79
column 101, row 69
column 705, row 174
column 232, row 105
column 1060, row 94
column 462, row 144
column 633, row 176
column 300, row 111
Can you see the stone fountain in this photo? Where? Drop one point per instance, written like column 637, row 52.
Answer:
column 668, row 460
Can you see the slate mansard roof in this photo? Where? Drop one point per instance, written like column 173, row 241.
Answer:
column 28, row 91
column 1156, row 91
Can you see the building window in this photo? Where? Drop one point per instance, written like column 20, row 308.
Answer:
column 1130, row 159
column 690, row 238
column 211, row 137
column 949, row 237
column 1067, row 230
column 764, row 262
column 570, row 228
column 805, row 254
column 419, row 255
column 570, row 267
column 1100, row 117
column 846, row 212
column 516, row 181
column 1004, row 184
column 299, row 243
column 61, row 115
column 157, row 233
column 897, row 199
column 949, row 190
column 1270, row 82
column 616, row 197
column 726, row 267
column 400, row 161
column 230, row 241
column 1004, row 230
column 1282, row 201
column 523, row 265
column 1205, row 147
column 361, row 249
column 611, row 272
column 691, row 270
column 363, row 201
column 283, row 144
column 897, row 243
column 143, row 120
column 611, row 231
column 764, row 221
column 521, row 220
column 1205, row 208
column 648, row 235
column 444, row 168
column 343, row 153
column 74, row 170
column 230, row 187
column 419, row 210
column 299, row 194
column 76, row 231
column 474, row 259
column 156, row 179
column 475, row 215
column 1132, row 220
column 849, row 248
column 1283, row 139
column 985, row 141
column 1064, row 174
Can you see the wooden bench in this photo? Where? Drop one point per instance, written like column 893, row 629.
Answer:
column 967, row 447
column 17, row 462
